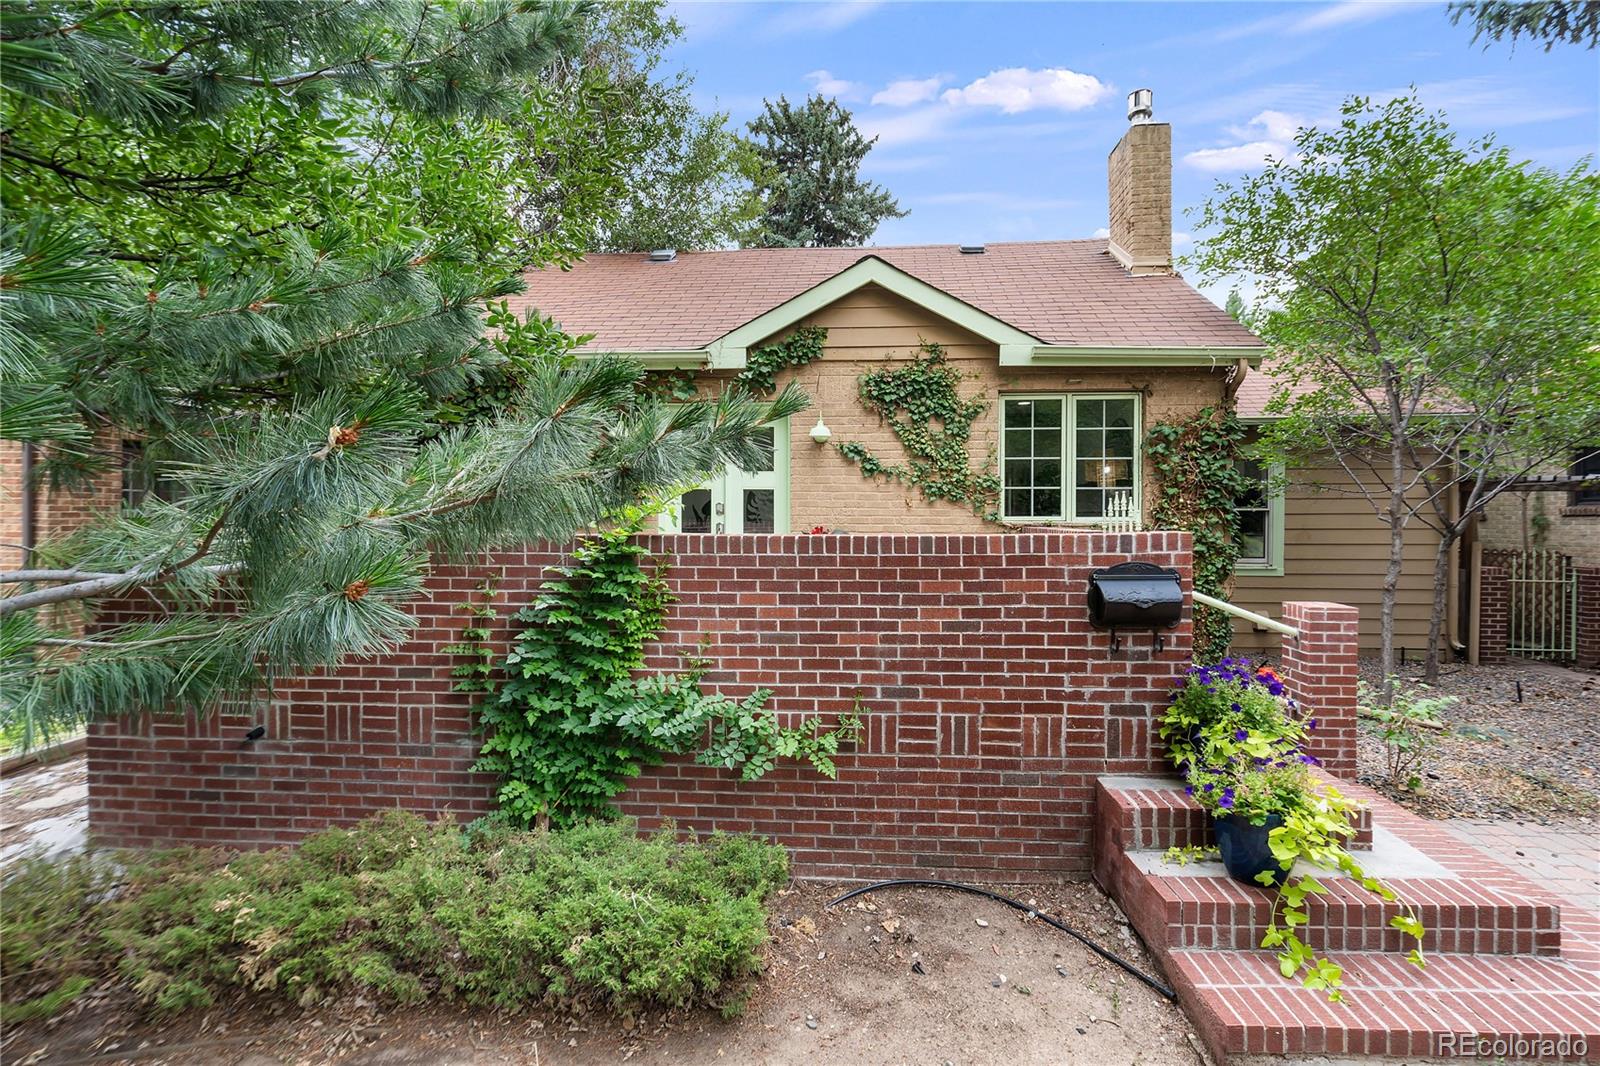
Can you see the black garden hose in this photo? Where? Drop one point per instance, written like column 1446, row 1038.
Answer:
column 974, row 890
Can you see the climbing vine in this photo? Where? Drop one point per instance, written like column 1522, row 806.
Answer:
column 763, row 364
column 569, row 722
column 474, row 670
column 1199, row 485
column 921, row 402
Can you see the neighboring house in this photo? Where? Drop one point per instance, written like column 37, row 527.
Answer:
column 1556, row 514
column 1079, row 347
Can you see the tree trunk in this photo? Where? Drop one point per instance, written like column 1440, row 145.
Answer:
column 1391, row 588
column 1441, row 586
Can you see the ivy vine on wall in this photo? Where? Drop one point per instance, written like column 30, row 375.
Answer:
column 569, row 722
column 1198, row 488
column 762, row 365
column 922, row 404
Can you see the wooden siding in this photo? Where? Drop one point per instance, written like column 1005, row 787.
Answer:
column 1336, row 548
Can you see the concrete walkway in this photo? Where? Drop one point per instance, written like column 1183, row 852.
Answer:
column 1565, row 857
column 44, row 808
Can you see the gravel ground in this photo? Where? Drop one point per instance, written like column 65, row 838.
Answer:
column 1533, row 759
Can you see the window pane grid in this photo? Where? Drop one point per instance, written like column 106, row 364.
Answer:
column 1033, row 460
column 1105, row 457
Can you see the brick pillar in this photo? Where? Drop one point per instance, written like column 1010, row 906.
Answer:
column 1494, row 614
column 1320, row 669
column 1589, row 617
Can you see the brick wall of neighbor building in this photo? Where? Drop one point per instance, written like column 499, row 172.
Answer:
column 873, row 328
column 991, row 705
column 1510, row 522
column 57, row 511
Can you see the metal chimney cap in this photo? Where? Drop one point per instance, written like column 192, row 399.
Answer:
column 972, row 248
column 663, row 255
column 1141, row 106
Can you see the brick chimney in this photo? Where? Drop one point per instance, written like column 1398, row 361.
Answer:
column 1139, row 179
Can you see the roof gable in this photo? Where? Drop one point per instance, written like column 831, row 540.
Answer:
column 729, row 351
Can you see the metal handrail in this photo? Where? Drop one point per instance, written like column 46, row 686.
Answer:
column 1249, row 616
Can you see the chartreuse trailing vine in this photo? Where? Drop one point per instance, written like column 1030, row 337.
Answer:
column 1240, row 742
column 922, row 403
column 1199, row 484
column 762, row 365
column 570, row 722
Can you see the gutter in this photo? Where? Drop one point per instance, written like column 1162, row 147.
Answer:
column 29, row 509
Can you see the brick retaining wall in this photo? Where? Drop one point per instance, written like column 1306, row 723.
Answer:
column 992, row 706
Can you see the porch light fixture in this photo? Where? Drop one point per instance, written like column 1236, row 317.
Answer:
column 820, row 432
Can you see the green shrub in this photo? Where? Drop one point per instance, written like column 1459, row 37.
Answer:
column 592, row 916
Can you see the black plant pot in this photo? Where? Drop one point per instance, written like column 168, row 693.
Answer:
column 1245, row 851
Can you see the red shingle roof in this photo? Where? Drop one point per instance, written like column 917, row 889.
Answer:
column 1062, row 292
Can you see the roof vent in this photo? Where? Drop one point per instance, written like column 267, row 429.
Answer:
column 663, row 255
column 1141, row 106
column 972, row 249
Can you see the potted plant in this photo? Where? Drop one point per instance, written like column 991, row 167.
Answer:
column 1215, row 711
column 1237, row 737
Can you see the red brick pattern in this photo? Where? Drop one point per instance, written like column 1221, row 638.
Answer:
column 1494, row 614
column 1588, row 618
column 992, row 706
column 1320, row 668
column 1506, row 962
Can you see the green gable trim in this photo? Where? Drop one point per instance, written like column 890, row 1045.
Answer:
column 728, row 352
column 1118, row 355
column 665, row 359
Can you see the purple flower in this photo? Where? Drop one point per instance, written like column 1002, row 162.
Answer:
column 1188, row 790
column 1311, row 724
column 1275, row 687
column 1226, row 802
column 1237, row 708
column 1310, row 760
column 1209, row 787
column 1242, row 735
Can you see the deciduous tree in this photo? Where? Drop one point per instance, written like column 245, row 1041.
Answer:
column 1432, row 307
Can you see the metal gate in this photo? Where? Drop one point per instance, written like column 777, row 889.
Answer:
column 1543, row 622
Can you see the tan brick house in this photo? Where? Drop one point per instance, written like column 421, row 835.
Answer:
column 1079, row 346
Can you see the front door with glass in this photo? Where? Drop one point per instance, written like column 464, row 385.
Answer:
column 740, row 501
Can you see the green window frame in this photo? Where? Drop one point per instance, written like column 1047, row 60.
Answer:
column 1261, row 517
column 1065, row 456
column 738, row 501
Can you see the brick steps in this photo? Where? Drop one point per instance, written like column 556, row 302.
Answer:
column 1214, row 911
column 1505, row 963
column 1153, row 813
column 1243, row 1006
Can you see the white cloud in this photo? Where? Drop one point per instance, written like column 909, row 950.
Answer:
column 1018, row 89
column 817, row 18
column 1350, row 12
column 1181, row 239
column 1101, row 234
column 906, row 127
column 825, row 83
column 1270, row 135
column 907, row 91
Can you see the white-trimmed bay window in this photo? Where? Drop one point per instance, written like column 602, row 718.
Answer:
column 1069, row 457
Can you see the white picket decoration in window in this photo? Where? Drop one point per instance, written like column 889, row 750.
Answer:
column 1121, row 515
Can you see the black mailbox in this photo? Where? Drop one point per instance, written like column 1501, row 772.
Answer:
column 1135, row 596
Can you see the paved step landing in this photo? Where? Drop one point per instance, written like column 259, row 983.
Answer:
column 1506, row 964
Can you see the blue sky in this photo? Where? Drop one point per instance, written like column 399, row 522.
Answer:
column 995, row 118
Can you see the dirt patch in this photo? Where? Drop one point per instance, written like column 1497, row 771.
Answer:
column 1528, row 754
column 841, row 987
